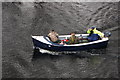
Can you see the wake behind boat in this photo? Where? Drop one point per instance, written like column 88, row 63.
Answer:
column 43, row 42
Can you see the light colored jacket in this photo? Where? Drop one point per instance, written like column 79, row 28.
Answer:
column 53, row 36
column 96, row 32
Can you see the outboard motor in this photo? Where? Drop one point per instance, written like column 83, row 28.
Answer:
column 107, row 34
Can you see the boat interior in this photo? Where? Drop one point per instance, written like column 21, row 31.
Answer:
column 82, row 38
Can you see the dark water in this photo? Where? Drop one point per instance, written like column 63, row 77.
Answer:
column 101, row 63
column 20, row 21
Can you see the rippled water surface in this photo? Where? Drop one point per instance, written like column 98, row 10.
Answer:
column 18, row 60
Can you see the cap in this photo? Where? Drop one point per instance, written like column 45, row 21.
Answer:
column 93, row 27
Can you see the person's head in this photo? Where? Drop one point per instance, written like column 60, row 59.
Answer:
column 51, row 30
column 72, row 33
column 93, row 27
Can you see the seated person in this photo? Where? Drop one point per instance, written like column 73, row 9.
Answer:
column 93, row 37
column 94, row 34
column 93, row 30
column 73, row 39
column 53, row 36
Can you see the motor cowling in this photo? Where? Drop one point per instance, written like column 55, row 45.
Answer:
column 107, row 34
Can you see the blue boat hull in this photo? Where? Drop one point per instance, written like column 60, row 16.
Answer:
column 69, row 48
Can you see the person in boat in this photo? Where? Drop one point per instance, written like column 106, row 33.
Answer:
column 73, row 39
column 54, row 36
column 94, row 34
